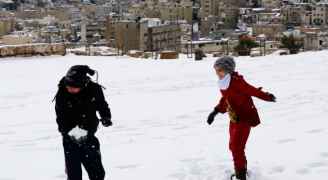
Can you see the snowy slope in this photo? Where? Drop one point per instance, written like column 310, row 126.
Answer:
column 160, row 109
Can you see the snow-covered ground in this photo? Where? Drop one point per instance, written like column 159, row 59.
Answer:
column 159, row 113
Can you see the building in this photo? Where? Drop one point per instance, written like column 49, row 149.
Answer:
column 7, row 23
column 102, row 11
column 8, row 5
column 125, row 35
column 143, row 34
column 306, row 14
column 226, row 10
column 319, row 15
column 160, row 37
column 271, row 31
column 221, row 47
column 15, row 39
column 315, row 39
column 271, row 4
column 176, row 11
column 165, row 10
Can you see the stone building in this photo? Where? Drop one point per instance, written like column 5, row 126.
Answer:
column 315, row 41
column 16, row 39
column 227, row 10
column 306, row 14
column 144, row 35
column 296, row 15
column 271, row 31
column 271, row 4
column 320, row 15
column 7, row 23
column 162, row 37
column 123, row 34
column 165, row 10
column 176, row 11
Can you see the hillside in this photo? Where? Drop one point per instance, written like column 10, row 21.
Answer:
column 159, row 113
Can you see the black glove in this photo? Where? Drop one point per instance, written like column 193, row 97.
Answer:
column 272, row 98
column 211, row 117
column 106, row 121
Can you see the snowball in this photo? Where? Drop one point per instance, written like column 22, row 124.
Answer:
column 78, row 133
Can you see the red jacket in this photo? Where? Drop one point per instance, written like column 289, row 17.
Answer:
column 239, row 96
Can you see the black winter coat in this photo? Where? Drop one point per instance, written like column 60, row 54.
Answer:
column 80, row 109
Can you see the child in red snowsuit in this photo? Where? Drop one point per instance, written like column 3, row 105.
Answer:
column 237, row 101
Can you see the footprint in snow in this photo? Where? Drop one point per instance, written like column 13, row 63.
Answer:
column 202, row 111
column 44, row 138
column 283, row 141
column 159, row 138
column 7, row 133
column 188, row 160
column 178, row 176
column 130, row 166
column 61, row 176
column 185, row 116
column 136, row 134
column 22, row 145
column 302, row 171
column 317, row 164
column 180, row 128
column 277, row 169
column 324, row 154
column 314, row 131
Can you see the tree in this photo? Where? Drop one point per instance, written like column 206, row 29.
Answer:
column 246, row 43
column 291, row 43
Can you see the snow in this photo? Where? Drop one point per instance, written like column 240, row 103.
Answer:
column 159, row 115
column 78, row 133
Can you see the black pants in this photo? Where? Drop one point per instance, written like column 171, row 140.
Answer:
column 86, row 153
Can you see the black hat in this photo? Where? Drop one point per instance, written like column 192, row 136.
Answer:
column 77, row 76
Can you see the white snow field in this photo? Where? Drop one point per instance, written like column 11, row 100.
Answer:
column 159, row 113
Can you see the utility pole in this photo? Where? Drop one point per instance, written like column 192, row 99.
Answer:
column 189, row 53
column 195, row 21
column 175, row 34
column 228, row 50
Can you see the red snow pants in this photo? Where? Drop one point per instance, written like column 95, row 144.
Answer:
column 239, row 133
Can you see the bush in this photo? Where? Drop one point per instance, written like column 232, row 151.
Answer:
column 291, row 43
column 245, row 45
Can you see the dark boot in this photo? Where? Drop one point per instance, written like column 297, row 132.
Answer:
column 241, row 174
